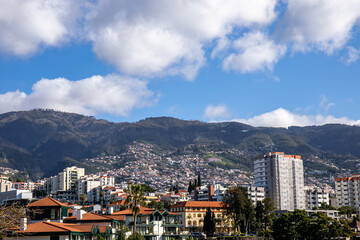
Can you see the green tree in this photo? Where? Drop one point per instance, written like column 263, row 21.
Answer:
column 102, row 196
column 83, row 198
column 157, row 205
column 10, row 217
column 136, row 198
column 238, row 206
column 348, row 210
column 147, row 188
column 292, row 225
column 136, row 236
column 209, row 223
column 299, row 226
column 259, row 215
column 199, row 179
column 190, row 188
column 269, row 212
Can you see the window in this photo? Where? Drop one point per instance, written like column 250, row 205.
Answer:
column 54, row 237
column 194, row 223
column 199, row 215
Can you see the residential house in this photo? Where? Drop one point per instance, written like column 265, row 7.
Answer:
column 48, row 209
column 154, row 224
column 60, row 231
column 193, row 213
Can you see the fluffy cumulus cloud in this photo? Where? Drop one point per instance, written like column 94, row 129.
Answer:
column 161, row 37
column 284, row 118
column 319, row 24
column 112, row 94
column 27, row 25
column 254, row 52
column 215, row 112
column 168, row 37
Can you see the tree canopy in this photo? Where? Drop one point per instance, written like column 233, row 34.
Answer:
column 238, row 206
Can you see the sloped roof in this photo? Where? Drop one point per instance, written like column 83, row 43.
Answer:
column 47, row 202
column 51, row 227
column 117, row 203
column 89, row 217
column 202, row 204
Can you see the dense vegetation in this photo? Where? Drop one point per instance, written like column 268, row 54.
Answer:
column 42, row 142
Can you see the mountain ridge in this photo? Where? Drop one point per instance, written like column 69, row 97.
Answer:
column 42, row 142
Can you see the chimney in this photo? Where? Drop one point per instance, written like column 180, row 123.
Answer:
column 79, row 214
column 110, row 210
column 23, row 224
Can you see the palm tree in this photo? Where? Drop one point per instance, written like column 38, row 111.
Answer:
column 136, row 197
column 83, row 198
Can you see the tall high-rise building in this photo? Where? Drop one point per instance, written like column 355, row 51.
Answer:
column 68, row 178
column 348, row 191
column 282, row 176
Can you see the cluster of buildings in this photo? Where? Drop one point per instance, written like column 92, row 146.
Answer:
column 141, row 163
column 276, row 175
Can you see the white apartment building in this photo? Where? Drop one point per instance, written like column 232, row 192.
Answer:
column 347, row 191
column 315, row 197
column 5, row 184
column 64, row 181
column 282, row 176
column 68, row 178
column 256, row 194
column 208, row 193
column 92, row 185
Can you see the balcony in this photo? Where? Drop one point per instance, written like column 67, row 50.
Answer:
column 171, row 224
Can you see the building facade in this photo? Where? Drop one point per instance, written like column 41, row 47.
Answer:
column 282, row 177
column 347, row 191
column 193, row 213
column 208, row 193
column 315, row 197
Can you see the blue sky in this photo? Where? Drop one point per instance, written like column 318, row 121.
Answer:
column 261, row 62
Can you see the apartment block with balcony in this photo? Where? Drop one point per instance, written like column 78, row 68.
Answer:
column 154, row 224
column 282, row 177
column 315, row 197
column 347, row 191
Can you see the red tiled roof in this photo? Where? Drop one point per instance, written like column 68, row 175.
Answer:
column 117, row 203
column 49, row 227
column 89, row 217
column 46, row 202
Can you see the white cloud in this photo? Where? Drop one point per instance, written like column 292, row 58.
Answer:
column 168, row 37
column 325, row 104
column 214, row 112
column 255, row 52
column 352, row 56
column 284, row 118
column 319, row 24
column 27, row 25
column 112, row 94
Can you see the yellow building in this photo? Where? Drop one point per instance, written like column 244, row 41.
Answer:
column 193, row 214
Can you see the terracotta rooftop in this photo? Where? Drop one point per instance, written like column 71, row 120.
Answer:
column 48, row 227
column 90, row 217
column 47, row 202
column 202, row 204
column 117, row 203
